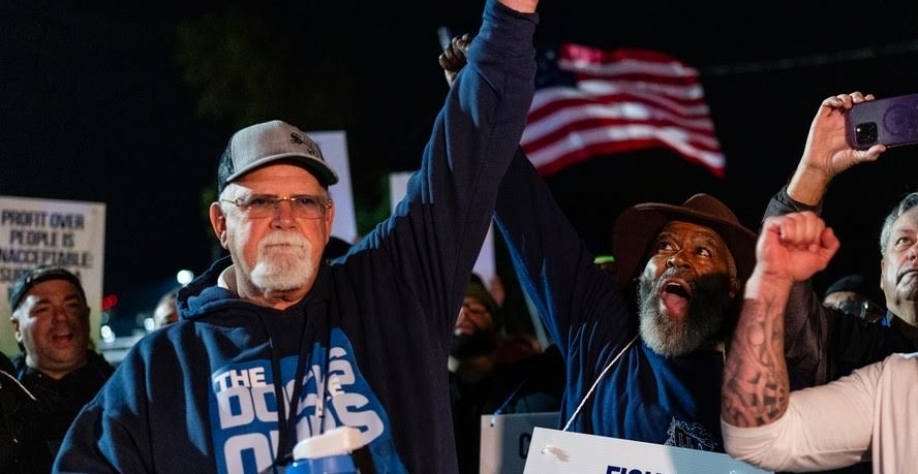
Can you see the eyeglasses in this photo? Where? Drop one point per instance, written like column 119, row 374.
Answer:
column 864, row 309
column 304, row 206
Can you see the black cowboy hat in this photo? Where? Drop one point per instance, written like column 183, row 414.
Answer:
column 637, row 226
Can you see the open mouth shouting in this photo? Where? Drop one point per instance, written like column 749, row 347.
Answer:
column 62, row 338
column 675, row 297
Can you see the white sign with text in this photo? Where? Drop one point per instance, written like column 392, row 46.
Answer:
column 563, row 452
column 505, row 440
column 334, row 148
column 34, row 232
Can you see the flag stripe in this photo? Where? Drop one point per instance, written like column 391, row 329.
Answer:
column 549, row 100
column 611, row 148
column 699, row 140
column 621, row 100
column 624, row 62
column 611, row 140
column 562, row 112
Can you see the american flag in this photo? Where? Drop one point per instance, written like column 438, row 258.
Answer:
column 590, row 102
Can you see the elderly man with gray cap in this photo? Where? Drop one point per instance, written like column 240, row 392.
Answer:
column 58, row 366
column 276, row 344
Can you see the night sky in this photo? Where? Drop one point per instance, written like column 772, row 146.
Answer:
column 94, row 107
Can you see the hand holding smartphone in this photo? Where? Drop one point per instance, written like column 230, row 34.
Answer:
column 891, row 121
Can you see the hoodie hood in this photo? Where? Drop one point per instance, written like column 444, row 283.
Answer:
column 203, row 293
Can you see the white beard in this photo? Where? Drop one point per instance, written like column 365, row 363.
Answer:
column 677, row 337
column 283, row 268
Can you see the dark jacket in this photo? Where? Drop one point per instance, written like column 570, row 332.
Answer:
column 20, row 420
column 58, row 402
column 366, row 348
column 533, row 384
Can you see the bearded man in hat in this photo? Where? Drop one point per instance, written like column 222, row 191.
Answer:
column 644, row 347
column 644, row 343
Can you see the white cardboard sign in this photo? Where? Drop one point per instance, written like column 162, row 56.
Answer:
column 485, row 265
column 334, row 148
column 563, row 452
column 37, row 232
column 505, row 440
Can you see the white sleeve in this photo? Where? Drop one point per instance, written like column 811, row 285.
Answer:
column 825, row 427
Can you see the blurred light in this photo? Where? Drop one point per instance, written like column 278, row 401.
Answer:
column 149, row 324
column 184, row 277
column 107, row 334
column 109, row 302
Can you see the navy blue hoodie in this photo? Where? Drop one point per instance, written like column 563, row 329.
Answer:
column 643, row 396
column 369, row 342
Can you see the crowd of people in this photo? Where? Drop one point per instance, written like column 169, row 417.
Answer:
column 697, row 332
column 836, row 351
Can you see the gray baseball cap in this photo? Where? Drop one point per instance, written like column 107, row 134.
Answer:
column 264, row 143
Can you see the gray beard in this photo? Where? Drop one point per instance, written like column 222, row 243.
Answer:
column 277, row 273
column 704, row 321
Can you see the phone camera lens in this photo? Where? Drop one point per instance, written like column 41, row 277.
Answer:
column 866, row 133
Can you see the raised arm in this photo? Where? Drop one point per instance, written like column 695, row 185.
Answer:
column 791, row 248
column 827, row 152
column 438, row 228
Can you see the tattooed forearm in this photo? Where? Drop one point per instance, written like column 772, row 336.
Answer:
column 755, row 385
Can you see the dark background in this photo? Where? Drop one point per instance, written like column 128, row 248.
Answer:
column 111, row 102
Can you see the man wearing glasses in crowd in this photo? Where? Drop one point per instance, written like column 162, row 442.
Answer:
column 276, row 344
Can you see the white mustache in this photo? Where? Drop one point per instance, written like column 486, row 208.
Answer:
column 283, row 238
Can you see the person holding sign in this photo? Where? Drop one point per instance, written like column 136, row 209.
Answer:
column 276, row 344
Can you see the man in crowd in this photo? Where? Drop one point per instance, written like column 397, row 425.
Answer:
column 830, row 344
column 643, row 343
column 165, row 312
column 275, row 344
column 58, row 365
column 482, row 384
column 867, row 415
